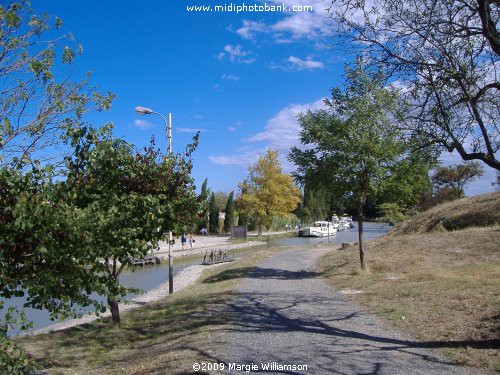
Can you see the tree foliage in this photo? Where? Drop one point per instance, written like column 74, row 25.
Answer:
column 267, row 192
column 229, row 211
column 445, row 54
column 203, row 198
column 221, row 200
column 213, row 219
column 392, row 213
column 315, row 204
column 36, row 106
column 353, row 149
column 63, row 240
column 450, row 181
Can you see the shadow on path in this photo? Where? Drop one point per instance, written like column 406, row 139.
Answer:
column 261, row 273
column 258, row 316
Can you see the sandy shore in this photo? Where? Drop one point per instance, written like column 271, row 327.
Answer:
column 182, row 279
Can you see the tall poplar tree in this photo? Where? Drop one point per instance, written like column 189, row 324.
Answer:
column 213, row 220
column 229, row 211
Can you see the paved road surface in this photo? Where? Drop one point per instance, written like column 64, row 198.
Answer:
column 290, row 316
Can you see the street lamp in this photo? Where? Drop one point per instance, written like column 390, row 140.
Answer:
column 168, row 127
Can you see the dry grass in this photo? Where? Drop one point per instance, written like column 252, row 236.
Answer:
column 477, row 211
column 165, row 337
column 442, row 287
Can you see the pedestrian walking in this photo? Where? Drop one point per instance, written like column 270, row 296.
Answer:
column 191, row 241
column 183, row 240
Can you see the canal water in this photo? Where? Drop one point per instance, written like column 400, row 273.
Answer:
column 147, row 278
column 142, row 278
column 371, row 230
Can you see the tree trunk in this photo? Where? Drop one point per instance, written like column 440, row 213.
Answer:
column 115, row 310
column 112, row 302
column 360, row 232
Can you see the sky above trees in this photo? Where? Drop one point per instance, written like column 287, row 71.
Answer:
column 239, row 78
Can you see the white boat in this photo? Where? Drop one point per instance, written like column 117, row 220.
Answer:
column 320, row 229
column 345, row 222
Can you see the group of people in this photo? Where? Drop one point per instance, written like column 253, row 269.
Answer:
column 185, row 239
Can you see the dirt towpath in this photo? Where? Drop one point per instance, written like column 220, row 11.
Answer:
column 288, row 315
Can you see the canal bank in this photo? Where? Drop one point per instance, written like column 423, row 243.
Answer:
column 153, row 279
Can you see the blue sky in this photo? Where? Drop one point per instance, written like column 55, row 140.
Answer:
column 239, row 78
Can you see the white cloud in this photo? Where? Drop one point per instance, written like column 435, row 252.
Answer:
column 235, row 51
column 236, row 54
column 142, row 124
column 231, row 128
column 309, row 25
column 190, row 130
column 244, row 159
column 230, row 77
column 250, row 28
column 307, row 64
column 281, row 132
column 198, row 117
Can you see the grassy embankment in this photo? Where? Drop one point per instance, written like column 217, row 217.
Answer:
column 436, row 276
column 163, row 337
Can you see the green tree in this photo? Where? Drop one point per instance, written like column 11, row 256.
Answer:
column 229, row 211
column 213, row 220
column 353, row 148
column 35, row 107
column 316, row 204
column 267, row 192
column 409, row 181
column 450, row 181
column 63, row 240
column 221, row 200
column 392, row 213
column 129, row 199
column 203, row 198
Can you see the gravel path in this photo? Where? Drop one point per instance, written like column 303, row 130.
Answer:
column 291, row 317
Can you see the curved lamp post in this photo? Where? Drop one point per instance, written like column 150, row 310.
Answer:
column 168, row 125
column 168, row 131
